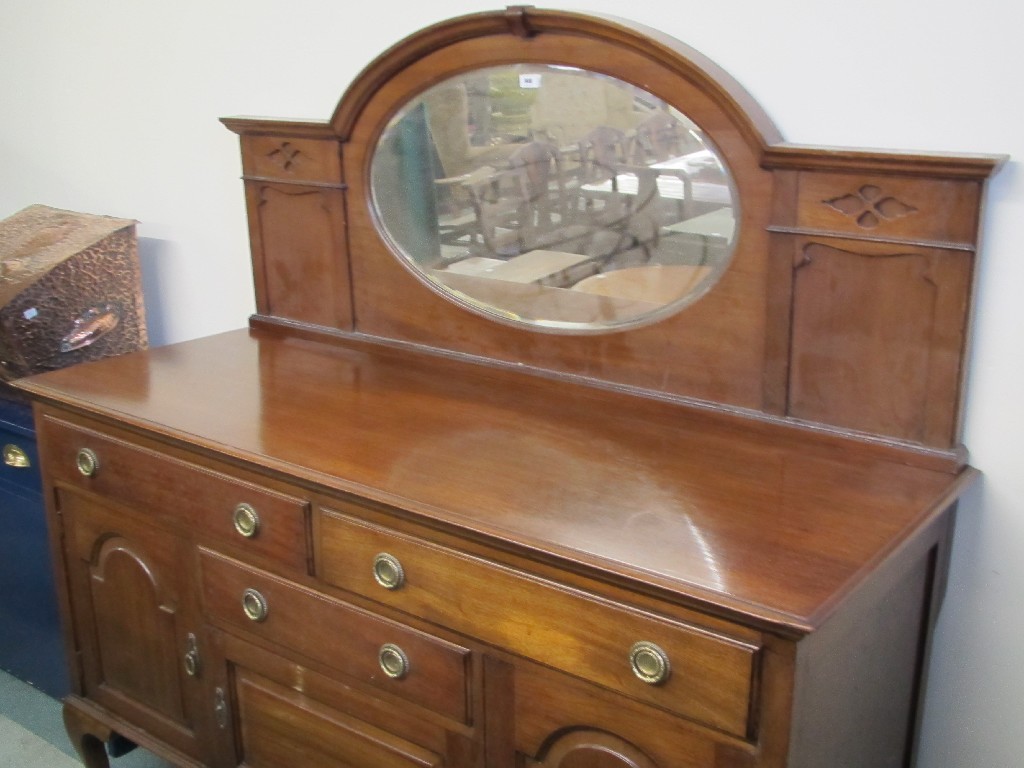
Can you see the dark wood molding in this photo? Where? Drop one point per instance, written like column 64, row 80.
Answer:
column 266, row 126
column 978, row 167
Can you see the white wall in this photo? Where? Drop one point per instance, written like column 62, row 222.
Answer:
column 111, row 106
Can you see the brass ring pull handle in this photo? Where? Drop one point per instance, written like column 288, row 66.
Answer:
column 15, row 456
column 191, row 656
column 393, row 661
column 246, row 520
column 254, row 605
column 87, row 462
column 649, row 663
column 192, row 663
column 387, row 571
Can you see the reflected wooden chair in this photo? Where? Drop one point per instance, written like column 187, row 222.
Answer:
column 513, row 217
column 658, row 138
column 602, row 154
column 500, row 202
column 545, row 177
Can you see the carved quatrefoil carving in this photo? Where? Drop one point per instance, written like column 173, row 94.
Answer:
column 286, row 155
column 869, row 206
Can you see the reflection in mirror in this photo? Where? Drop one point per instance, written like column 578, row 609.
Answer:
column 554, row 197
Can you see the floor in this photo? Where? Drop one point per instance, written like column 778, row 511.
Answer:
column 32, row 734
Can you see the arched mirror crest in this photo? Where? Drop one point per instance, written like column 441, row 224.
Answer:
column 554, row 197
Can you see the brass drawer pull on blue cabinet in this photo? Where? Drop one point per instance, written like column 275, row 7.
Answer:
column 15, row 456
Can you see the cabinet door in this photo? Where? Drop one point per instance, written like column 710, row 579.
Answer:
column 135, row 621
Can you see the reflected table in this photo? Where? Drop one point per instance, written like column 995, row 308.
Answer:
column 656, row 284
column 717, row 225
column 551, row 268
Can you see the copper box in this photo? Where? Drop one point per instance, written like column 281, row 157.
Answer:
column 70, row 290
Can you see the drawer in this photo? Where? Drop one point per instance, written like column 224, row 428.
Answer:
column 614, row 731
column 19, row 470
column 180, row 494
column 702, row 675
column 384, row 654
column 282, row 727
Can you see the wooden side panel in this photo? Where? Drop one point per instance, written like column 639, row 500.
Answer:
column 859, row 677
column 295, row 199
column 300, row 264
column 877, row 338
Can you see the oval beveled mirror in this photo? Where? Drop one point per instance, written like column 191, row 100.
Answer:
column 554, row 197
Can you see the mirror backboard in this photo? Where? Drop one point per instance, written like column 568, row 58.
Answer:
column 561, row 172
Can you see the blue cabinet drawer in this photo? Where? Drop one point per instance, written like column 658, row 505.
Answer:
column 19, row 467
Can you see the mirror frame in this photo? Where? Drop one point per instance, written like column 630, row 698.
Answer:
column 625, row 265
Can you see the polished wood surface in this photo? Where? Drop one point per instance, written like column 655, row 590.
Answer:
column 658, row 494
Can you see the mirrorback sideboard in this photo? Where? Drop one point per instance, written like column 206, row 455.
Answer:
column 583, row 423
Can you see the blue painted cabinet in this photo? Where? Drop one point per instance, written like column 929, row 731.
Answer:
column 30, row 635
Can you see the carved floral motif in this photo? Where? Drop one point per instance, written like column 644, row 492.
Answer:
column 869, row 206
column 286, row 155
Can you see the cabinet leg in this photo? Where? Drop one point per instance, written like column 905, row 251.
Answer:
column 88, row 736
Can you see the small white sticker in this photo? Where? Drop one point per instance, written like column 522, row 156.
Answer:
column 30, row 313
column 529, row 81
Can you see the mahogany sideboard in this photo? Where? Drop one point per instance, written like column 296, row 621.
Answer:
column 652, row 465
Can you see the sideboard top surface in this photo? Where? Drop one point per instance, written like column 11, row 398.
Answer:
column 766, row 523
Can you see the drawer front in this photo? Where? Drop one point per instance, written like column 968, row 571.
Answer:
column 19, row 470
column 180, row 494
column 687, row 670
column 583, row 725
column 423, row 669
column 283, row 727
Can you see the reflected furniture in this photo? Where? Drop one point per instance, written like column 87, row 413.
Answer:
column 415, row 515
